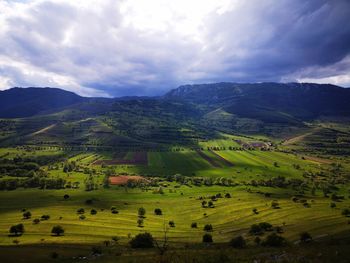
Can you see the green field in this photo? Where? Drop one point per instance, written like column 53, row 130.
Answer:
column 252, row 180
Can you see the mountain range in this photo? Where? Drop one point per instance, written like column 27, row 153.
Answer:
column 181, row 116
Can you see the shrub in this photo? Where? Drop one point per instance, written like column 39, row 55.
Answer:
column 81, row 211
column 27, row 215
column 36, row 221
column 57, row 230
column 333, row 205
column 158, row 211
column 305, row 237
column 194, row 225
column 346, row 212
column 82, row 217
column 17, row 230
column 274, row 240
column 143, row 240
column 265, row 226
column 93, row 212
column 208, row 227
column 275, row 204
column 207, row 238
column 255, row 211
column 45, row 217
column 227, row 195
column 171, row 223
column 141, row 212
column 65, row 197
column 210, row 204
column 140, row 222
column 238, row 242
column 115, row 211
column 256, row 229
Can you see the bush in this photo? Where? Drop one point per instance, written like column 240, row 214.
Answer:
column 81, row 211
column 227, row 195
column 346, row 212
column 36, row 221
column 65, row 197
column 45, row 217
column 143, row 240
column 82, row 217
column 171, row 223
column 93, row 212
column 27, row 215
column 238, row 242
column 194, row 225
column 17, row 230
column 305, row 237
column 141, row 212
column 57, row 230
column 274, row 240
column 275, row 204
column 256, row 230
column 207, row 238
column 265, row 226
column 158, row 211
column 140, row 222
column 208, row 227
column 255, row 211
column 333, row 205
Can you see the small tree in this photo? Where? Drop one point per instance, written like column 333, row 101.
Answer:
column 238, row 242
column 27, row 215
column 17, row 230
column 194, row 225
column 141, row 212
column 143, row 240
column 208, row 228
column 140, row 222
column 171, row 223
column 207, row 238
column 158, row 211
column 57, row 230
column 66, row 197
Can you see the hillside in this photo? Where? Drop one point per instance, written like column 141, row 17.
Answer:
column 183, row 116
column 26, row 102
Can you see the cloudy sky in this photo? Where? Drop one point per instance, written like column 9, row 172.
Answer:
column 139, row 47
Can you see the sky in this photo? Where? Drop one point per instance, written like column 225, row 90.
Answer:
column 146, row 47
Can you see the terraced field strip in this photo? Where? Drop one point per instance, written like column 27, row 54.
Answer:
column 123, row 179
column 208, row 159
column 227, row 162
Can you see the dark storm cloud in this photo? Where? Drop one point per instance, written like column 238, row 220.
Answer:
column 114, row 49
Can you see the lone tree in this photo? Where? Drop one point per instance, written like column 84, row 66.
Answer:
column 158, row 211
column 57, row 230
column 207, row 238
column 27, row 215
column 143, row 240
column 141, row 212
column 17, row 230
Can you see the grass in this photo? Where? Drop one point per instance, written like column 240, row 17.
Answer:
column 230, row 217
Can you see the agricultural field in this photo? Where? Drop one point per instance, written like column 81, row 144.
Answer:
column 95, row 196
